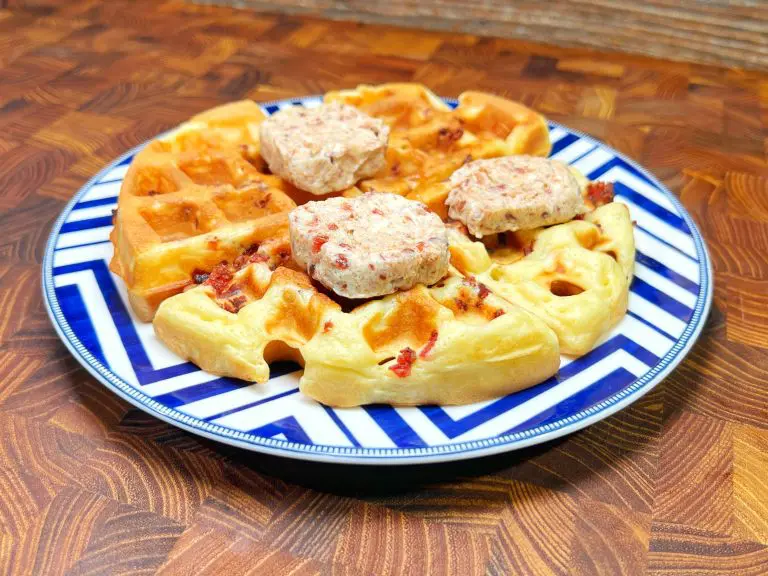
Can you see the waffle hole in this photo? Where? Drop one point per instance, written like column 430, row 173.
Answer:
column 151, row 182
column 246, row 203
column 588, row 237
column 497, row 274
column 250, row 154
column 209, row 171
column 176, row 221
column 279, row 351
column 565, row 288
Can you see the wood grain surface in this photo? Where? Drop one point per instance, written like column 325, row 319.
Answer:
column 674, row 484
column 724, row 32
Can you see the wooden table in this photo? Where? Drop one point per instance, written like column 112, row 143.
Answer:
column 677, row 483
column 721, row 32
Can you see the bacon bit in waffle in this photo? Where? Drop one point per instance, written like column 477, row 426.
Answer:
column 341, row 262
column 447, row 136
column 249, row 256
column 461, row 304
column 579, row 217
column 377, row 211
column 405, row 360
column 199, row 276
column 482, row 291
column 498, row 313
column 371, row 266
column 327, row 327
column 265, row 200
column 236, row 302
column 332, row 226
column 219, row 278
column 347, row 206
column 317, row 242
column 600, row 193
column 420, row 246
column 345, row 246
column 395, row 169
column 429, row 345
column 259, row 258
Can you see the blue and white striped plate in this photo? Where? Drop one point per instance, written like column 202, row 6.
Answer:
column 668, row 304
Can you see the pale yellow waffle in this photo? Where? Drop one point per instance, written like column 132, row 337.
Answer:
column 453, row 343
column 428, row 140
column 495, row 324
column 575, row 276
column 193, row 199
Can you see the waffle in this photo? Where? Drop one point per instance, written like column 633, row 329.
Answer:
column 203, row 194
column 428, row 140
column 496, row 324
column 201, row 239
column 452, row 343
column 574, row 276
column 191, row 199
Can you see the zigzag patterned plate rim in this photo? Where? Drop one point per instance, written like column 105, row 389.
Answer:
column 587, row 152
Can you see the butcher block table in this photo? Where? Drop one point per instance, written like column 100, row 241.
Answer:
column 675, row 484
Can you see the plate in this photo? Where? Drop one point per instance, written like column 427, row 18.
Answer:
column 668, row 304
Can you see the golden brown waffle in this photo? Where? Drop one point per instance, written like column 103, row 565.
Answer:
column 202, row 194
column 193, row 199
column 428, row 140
